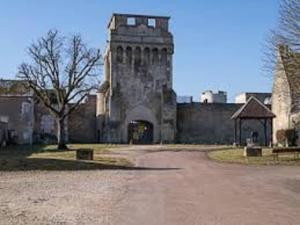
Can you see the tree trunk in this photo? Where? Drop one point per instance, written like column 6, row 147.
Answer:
column 61, row 137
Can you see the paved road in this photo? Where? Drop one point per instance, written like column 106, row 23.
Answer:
column 168, row 188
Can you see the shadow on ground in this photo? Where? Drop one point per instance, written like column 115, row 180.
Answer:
column 27, row 164
column 19, row 159
column 179, row 149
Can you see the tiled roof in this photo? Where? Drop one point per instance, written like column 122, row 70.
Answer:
column 253, row 109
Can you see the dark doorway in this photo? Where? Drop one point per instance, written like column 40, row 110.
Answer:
column 140, row 132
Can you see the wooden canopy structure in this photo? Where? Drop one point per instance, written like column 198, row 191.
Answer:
column 253, row 109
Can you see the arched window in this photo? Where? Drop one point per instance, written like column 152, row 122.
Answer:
column 147, row 56
column 155, row 57
column 120, row 54
column 164, row 56
column 138, row 56
column 129, row 55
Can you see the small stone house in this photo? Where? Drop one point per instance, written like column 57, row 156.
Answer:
column 28, row 121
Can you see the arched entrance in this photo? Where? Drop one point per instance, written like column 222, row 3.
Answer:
column 140, row 132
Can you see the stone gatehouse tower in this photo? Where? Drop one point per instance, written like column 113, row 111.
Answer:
column 136, row 102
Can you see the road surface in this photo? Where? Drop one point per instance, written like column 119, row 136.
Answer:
column 167, row 187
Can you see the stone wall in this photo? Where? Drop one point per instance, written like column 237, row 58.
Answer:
column 169, row 116
column 82, row 122
column 45, row 127
column 3, row 133
column 199, row 123
column 286, row 92
column 281, row 101
column 18, row 111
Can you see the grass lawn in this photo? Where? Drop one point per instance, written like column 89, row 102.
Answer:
column 236, row 156
column 19, row 158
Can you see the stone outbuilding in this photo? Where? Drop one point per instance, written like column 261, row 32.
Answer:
column 17, row 111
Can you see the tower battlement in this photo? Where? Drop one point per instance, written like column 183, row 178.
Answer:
column 131, row 20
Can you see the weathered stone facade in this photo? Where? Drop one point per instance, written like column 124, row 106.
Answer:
column 286, row 91
column 3, row 133
column 18, row 111
column 28, row 120
column 82, row 122
column 200, row 123
column 138, row 79
column 45, row 125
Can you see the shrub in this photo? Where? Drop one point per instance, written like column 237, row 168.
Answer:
column 291, row 137
column 280, row 136
column 287, row 137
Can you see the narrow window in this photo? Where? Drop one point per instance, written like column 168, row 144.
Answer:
column 151, row 23
column 155, row 56
column 138, row 56
column 147, row 56
column 131, row 21
column 129, row 55
column 119, row 54
column 164, row 56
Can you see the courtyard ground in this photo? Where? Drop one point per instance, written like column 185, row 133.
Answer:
column 168, row 185
column 236, row 155
column 47, row 157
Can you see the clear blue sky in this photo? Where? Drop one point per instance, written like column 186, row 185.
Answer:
column 218, row 44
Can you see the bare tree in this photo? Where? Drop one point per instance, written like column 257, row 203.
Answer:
column 286, row 34
column 62, row 71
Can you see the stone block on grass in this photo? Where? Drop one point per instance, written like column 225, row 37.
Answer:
column 85, row 154
column 252, row 151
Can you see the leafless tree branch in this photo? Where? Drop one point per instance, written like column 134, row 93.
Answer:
column 287, row 33
column 64, row 68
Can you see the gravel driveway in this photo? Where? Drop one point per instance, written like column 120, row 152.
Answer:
column 167, row 188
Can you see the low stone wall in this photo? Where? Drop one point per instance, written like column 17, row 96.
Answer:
column 199, row 123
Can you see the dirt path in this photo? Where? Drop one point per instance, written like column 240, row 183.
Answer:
column 190, row 189
column 169, row 187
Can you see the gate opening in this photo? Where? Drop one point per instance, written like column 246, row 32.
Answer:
column 140, row 132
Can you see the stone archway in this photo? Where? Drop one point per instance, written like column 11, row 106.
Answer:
column 143, row 114
column 140, row 132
